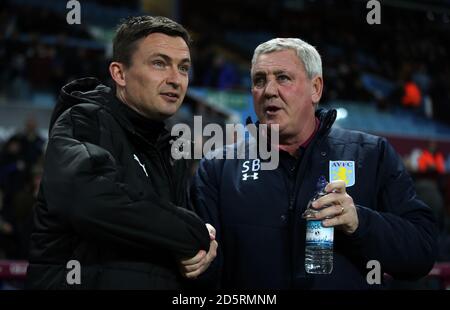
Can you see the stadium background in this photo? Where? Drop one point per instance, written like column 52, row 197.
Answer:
column 391, row 79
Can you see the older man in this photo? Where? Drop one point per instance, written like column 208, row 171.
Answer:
column 260, row 230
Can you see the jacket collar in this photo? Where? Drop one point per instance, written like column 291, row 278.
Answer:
column 326, row 117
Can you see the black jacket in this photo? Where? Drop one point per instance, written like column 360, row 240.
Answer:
column 261, row 233
column 110, row 199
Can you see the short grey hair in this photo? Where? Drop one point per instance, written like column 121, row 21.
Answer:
column 307, row 53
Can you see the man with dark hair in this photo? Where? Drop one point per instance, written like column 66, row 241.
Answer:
column 111, row 207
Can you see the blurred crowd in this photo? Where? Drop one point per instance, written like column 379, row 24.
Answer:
column 401, row 62
column 21, row 159
column 35, row 56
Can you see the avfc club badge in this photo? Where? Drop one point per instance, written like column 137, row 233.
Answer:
column 343, row 170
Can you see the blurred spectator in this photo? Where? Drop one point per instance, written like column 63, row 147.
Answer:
column 412, row 96
column 22, row 204
column 12, row 172
column 7, row 243
column 428, row 190
column 431, row 160
column 32, row 142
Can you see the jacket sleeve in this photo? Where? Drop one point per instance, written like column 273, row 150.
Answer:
column 81, row 187
column 401, row 233
column 204, row 196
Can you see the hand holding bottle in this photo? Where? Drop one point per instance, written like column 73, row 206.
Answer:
column 341, row 211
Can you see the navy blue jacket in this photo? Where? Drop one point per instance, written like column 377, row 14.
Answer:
column 261, row 233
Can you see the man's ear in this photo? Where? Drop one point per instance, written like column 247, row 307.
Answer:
column 116, row 69
column 317, row 87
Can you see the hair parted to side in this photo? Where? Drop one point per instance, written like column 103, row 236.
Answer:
column 307, row 53
column 132, row 29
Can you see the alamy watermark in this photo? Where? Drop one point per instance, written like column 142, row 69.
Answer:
column 374, row 275
column 262, row 143
column 374, row 15
column 74, row 272
column 74, row 15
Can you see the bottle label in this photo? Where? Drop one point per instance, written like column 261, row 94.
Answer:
column 317, row 235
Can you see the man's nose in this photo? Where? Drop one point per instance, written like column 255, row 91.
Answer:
column 271, row 89
column 174, row 78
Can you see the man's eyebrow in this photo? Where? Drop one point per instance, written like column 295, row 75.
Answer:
column 259, row 74
column 167, row 58
column 277, row 72
column 263, row 73
column 185, row 61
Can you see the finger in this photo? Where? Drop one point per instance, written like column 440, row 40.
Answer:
column 212, row 253
column 194, row 260
column 211, row 230
column 194, row 274
column 335, row 221
column 203, row 264
column 329, row 200
column 330, row 212
column 191, row 268
column 336, row 186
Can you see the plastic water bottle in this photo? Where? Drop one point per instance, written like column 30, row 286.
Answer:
column 319, row 239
